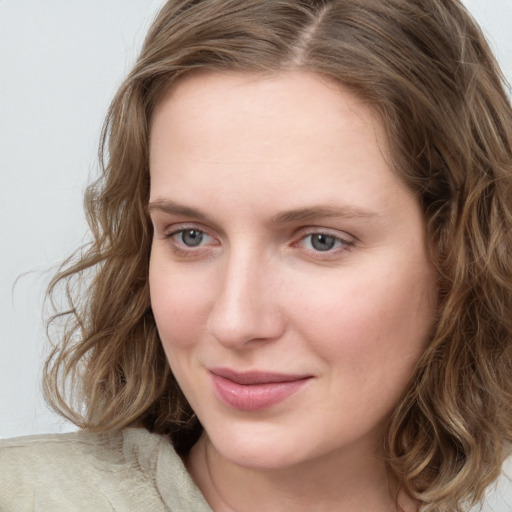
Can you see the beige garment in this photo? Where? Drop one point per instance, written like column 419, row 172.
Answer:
column 127, row 471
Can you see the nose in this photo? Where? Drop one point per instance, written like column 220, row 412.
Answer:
column 246, row 306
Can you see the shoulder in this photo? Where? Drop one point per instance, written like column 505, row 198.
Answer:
column 81, row 471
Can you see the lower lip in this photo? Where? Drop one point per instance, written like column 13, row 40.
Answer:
column 255, row 396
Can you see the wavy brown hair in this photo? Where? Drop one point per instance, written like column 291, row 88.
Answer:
column 426, row 69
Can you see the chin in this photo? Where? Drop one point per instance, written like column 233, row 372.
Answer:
column 257, row 448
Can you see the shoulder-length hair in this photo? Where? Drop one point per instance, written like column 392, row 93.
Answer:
column 426, row 69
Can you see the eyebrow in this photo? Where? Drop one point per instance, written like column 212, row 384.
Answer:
column 321, row 212
column 296, row 215
column 172, row 208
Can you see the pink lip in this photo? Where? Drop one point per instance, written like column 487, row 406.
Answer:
column 251, row 391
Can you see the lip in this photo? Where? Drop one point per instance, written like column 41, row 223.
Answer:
column 255, row 390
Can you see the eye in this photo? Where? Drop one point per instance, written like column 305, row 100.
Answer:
column 190, row 237
column 190, row 241
column 319, row 242
column 322, row 242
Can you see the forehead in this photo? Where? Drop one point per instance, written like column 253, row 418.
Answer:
column 202, row 113
column 293, row 95
column 296, row 133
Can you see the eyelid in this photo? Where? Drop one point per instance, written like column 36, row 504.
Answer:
column 177, row 227
column 163, row 221
column 182, row 250
column 346, row 242
column 335, row 233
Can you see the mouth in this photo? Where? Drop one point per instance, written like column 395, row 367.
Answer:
column 252, row 391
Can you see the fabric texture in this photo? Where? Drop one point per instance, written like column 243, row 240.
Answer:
column 127, row 471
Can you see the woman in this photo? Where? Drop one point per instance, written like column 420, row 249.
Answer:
column 301, row 270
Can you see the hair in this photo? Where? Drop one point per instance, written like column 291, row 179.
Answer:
column 426, row 69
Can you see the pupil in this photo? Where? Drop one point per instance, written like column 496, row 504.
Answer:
column 192, row 237
column 322, row 242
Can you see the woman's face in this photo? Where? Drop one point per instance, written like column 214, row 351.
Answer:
column 289, row 279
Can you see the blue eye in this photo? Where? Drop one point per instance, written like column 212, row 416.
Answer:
column 325, row 243
column 191, row 237
column 322, row 242
column 190, row 241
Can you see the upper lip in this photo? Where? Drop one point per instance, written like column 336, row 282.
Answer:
column 256, row 377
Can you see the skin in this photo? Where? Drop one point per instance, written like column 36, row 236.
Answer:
column 231, row 156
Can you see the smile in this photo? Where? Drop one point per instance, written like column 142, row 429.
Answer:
column 253, row 391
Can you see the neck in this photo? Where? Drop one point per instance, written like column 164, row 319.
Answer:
column 332, row 483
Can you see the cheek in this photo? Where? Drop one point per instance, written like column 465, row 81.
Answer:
column 179, row 304
column 375, row 324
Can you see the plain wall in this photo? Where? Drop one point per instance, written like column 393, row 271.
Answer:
column 60, row 64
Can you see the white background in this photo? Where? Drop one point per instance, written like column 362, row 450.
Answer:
column 60, row 63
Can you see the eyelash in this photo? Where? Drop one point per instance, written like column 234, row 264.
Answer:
column 183, row 250
column 341, row 244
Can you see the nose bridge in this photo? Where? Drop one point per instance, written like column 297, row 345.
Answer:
column 246, row 307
